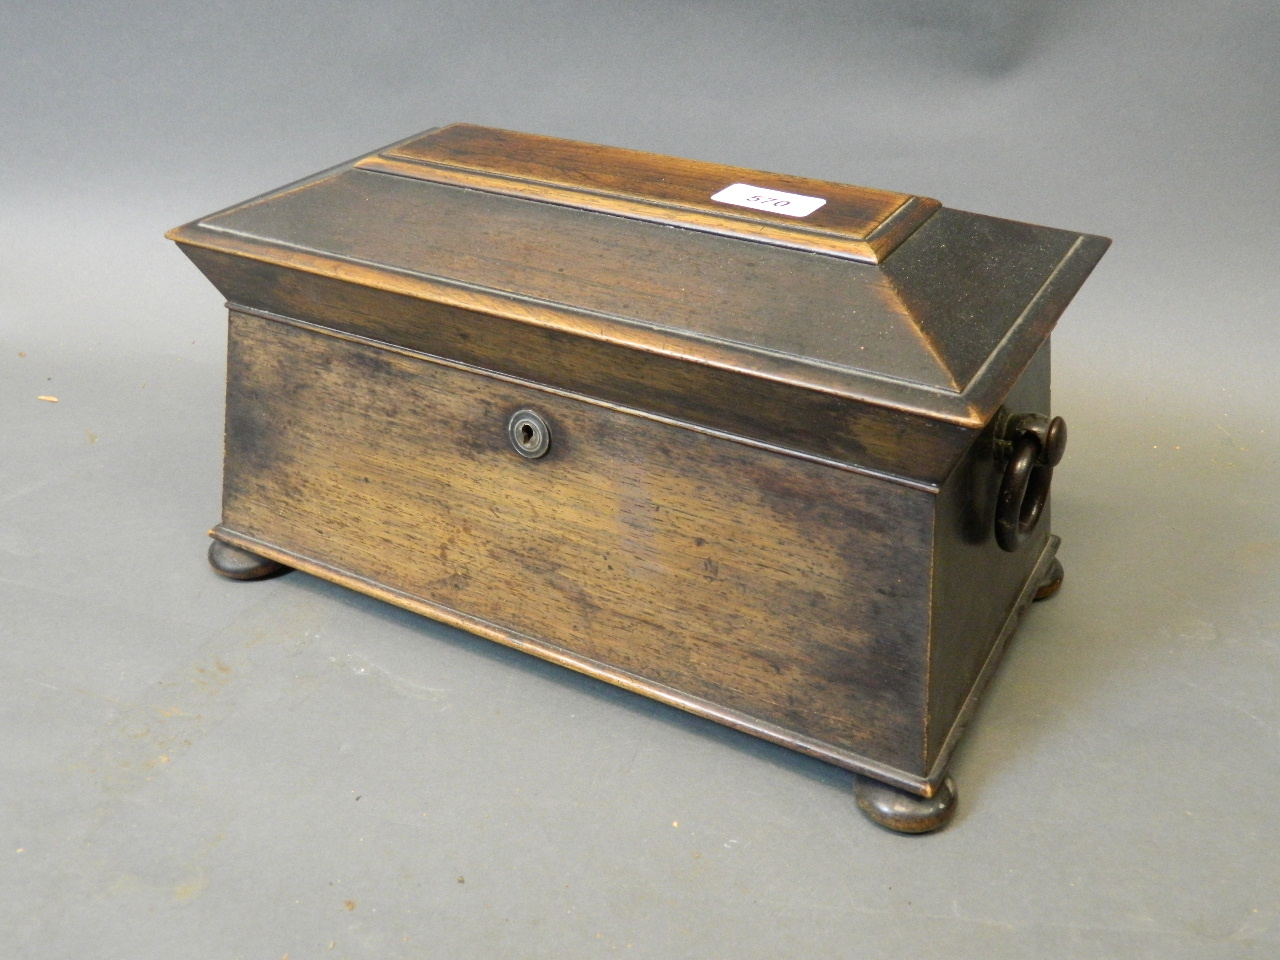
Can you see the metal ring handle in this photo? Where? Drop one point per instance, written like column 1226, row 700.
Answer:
column 1024, row 491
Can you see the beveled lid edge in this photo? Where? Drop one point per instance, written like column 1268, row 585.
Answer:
column 862, row 386
column 864, row 224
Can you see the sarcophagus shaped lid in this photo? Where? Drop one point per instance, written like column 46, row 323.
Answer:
column 875, row 329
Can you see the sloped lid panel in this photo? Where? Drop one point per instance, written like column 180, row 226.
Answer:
column 966, row 280
column 822, row 310
column 880, row 298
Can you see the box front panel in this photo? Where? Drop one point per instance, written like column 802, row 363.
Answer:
column 786, row 590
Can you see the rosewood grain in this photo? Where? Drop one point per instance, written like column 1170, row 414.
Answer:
column 747, row 465
column 782, row 589
column 772, row 410
column 855, row 222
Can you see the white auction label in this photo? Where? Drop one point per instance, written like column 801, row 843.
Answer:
column 775, row 201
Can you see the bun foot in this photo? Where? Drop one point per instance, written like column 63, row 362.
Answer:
column 236, row 564
column 903, row 812
column 1052, row 581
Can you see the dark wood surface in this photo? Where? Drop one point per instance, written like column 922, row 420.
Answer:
column 757, row 297
column 929, row 318
column 768, row 493
column 967, row 281
column 939, row 330
column 975, row 583
column 857, row 222
column 772, row 410
column 775, row 587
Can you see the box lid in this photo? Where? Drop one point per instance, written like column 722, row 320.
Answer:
column 874, row 328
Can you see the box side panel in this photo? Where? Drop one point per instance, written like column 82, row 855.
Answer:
column 977, row 584
column 790, row 591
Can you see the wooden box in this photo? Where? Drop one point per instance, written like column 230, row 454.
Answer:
column 772, row 450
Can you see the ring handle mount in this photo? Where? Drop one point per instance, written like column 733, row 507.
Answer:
column 1033, row 445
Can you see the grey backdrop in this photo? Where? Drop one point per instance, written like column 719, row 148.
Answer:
column 196, row 768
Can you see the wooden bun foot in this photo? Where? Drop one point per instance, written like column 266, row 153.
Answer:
column 236, row 564
column 904, row 812
column 1052, row 581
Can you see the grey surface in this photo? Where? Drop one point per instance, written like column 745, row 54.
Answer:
column 197, row 768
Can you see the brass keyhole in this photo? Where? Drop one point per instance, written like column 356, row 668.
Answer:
column 529, row 433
